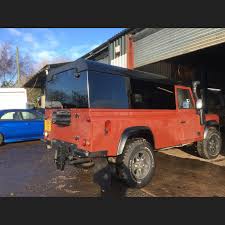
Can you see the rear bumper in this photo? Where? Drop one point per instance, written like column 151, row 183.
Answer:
column 72, row 150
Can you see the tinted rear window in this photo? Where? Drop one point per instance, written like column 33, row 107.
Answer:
column 65, row 90
column 107, row 91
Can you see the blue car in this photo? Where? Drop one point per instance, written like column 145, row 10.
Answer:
column 21, row 125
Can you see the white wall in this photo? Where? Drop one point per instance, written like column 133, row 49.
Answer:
column 120, row 61
column 13, row 98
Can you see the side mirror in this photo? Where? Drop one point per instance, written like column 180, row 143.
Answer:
column 199, row 104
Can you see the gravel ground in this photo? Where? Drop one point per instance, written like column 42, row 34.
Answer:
column 27, row 169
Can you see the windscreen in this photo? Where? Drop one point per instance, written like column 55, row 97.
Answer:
column 67, row 90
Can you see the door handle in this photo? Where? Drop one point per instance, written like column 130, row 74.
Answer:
column 183, row 121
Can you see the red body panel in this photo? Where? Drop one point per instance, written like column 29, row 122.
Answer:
column 212, row 117
column 169, row 127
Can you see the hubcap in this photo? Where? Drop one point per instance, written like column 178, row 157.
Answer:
column 140, row 164
column 213, row 145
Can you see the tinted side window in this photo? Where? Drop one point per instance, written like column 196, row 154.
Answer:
column 150, row 95
column 184, row 99
column 28, row 116
column 7, row 116
column 107, row 91
column 11, row 116
column 65, row 90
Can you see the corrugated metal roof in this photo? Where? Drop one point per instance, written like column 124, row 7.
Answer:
column 171, row 42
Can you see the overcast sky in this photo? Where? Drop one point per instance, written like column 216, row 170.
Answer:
column 51, row 43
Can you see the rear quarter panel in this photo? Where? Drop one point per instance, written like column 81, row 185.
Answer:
column 162, row 123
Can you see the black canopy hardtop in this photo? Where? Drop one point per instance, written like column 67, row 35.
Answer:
column 89, row 65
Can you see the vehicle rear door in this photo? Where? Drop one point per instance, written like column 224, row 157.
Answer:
column 67, row 96
column 188, row 118
column 34, row 122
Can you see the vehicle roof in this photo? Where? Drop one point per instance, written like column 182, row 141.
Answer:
column 89, row 65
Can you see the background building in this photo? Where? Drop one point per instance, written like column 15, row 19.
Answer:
column 181, row 54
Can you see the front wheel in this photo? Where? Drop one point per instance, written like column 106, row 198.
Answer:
column 211, row 146
column 137, row 163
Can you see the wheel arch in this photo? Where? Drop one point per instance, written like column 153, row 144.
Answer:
column 135, row 132
column 209, row 124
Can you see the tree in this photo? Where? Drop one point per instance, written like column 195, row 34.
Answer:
column 6, row 65
column 8, row 68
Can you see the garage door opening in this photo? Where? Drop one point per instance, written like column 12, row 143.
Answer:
column 206, row 65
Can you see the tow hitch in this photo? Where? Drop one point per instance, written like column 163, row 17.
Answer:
column 63, row 156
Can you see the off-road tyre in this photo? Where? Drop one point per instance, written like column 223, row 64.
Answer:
column 127, row 162
column 204, row 148
column 1, row 139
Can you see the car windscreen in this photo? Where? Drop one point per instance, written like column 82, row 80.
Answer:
column 67, row 90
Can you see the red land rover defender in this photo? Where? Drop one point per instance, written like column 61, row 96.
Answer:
column 95, row 110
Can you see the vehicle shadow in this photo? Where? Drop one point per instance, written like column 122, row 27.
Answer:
column 193, row 151
column 110, row 187
column 190, row 149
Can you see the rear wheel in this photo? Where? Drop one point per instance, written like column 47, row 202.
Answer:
column 137, row 163
column 1, row 139
column 210, row 147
